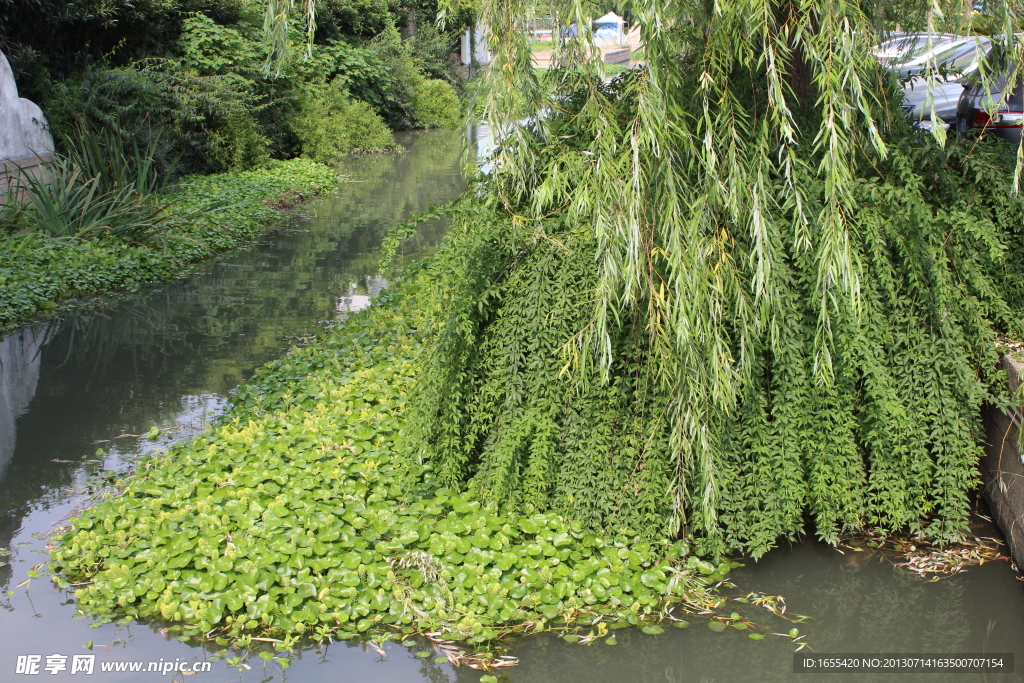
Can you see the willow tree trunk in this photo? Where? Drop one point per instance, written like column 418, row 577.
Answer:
column 799, row 74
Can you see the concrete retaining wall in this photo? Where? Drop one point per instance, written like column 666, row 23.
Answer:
column 617, row 56
column 1002, row 471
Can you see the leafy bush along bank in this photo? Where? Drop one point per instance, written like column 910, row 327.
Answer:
column 199, row 96
column 295, row 517
column 38, row 272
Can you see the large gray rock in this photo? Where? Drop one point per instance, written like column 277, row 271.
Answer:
column 23, row 129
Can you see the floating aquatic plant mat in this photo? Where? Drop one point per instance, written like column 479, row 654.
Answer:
column 924, row 559
column 293, row 518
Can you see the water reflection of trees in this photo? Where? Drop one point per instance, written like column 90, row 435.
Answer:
column 855, row 607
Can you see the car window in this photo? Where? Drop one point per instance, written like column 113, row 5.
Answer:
column 1001, row 82
column 910, row 42
column 939, row 53
column 952, row 53
column 902, row 42
column 997, row 70
column 912, row 50
column 962, row 61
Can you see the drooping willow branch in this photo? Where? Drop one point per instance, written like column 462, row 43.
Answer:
column 736, row 167
column 277, row 32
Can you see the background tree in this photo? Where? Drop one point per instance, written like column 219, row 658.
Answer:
column 187, row 80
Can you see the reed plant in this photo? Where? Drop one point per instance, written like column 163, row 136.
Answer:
column 97, row 187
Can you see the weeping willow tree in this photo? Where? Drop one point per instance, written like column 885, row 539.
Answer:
column 731, row 295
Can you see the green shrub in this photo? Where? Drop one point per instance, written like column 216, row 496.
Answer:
column 337, row 19
column 433, row 52
column 399, row 75
column 329, row 125
column 436, row 104
column 199, row 123
column 237, row 143
column 211, row 49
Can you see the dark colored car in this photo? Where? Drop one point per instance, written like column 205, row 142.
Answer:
column 945, row 96
column 1006, row 119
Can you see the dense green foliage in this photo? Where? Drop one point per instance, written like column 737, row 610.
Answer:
column 193, row 122
column 718, row 297
column 329, row 125
column 783, row 301
column 436, row 104
column 512, row 405
column 98, row 188
column 194, row 88
column 205, row 214
column 294, row 517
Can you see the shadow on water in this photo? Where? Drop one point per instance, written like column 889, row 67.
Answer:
column 101, row 380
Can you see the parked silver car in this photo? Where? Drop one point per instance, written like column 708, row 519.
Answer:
column 956, row 57
column 903, row 46
column 932, row 65
column 997, row 110
column 955, row 62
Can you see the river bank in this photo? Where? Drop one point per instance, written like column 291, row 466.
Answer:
column 217, row 213
column 328, row 538
column 170, row 359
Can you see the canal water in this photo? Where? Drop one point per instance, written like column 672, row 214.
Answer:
column 79, row 395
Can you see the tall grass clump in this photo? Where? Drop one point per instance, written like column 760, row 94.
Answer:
column 96, row 188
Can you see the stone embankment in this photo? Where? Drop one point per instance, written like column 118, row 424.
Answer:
column 1002, row 469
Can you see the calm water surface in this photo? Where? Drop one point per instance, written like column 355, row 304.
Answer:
column 78, row 394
